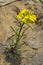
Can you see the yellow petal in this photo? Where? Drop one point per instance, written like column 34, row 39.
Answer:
column 32, row 18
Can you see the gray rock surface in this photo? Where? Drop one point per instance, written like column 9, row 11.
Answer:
column 38, row 59
column 6, row 1
column 33, row 50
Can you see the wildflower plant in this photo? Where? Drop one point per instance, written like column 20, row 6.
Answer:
column 25, row 16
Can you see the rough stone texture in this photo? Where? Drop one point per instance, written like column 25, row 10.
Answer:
column 33, row 48
column 38, row 59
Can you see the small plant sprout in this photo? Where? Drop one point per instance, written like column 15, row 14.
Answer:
column 25, row 16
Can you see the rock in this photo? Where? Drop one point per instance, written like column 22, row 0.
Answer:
column 1, row 48
column 33, row 52
column 6, row 1
column 35, row 39
column 38, row 59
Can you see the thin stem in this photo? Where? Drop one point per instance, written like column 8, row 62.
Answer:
column 23, row 33
column 18, row 35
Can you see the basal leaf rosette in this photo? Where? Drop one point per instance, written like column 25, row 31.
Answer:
column 27, row 16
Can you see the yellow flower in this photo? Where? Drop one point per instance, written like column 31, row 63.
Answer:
column 18, row 16
column 26, row 16
column 24, row 20
column 24, row 11
column 30, row 12
column 32, row 18
column 21, row 13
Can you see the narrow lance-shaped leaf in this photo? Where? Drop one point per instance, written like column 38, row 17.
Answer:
column 30, row 27
column 14, row 30
column 10, row 37
column 17, row 20
column 23, row 33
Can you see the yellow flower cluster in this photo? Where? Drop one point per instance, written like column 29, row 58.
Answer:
column 26, row 16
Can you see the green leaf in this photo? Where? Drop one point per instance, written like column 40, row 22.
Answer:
column 14, row 30
column 17, row 20
column 23, row 33
column 9, row 38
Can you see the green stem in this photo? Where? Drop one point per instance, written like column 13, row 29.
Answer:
column 18, row 35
